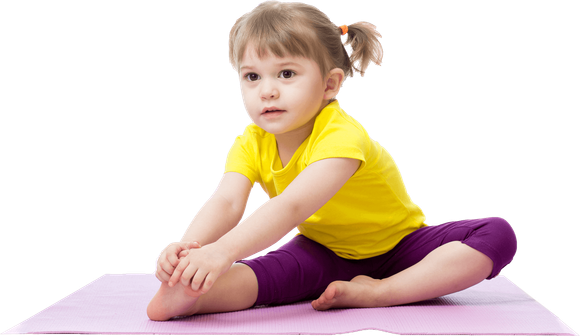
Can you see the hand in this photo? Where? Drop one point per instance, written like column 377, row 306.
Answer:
column 170, row 258
column 200, row 268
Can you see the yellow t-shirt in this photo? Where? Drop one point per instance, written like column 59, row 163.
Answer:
column 368, row 216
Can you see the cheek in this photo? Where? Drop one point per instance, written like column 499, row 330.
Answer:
column 253, row 106
column 308, row 89
column 247, row 96
column 244, row 90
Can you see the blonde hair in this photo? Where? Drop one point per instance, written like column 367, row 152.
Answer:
column 301, row 30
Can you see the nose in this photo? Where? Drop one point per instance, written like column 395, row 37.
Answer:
column 269, row 90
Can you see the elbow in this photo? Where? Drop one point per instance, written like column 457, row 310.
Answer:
column 295, row 211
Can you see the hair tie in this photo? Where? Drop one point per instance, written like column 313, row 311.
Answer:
column 344, row 29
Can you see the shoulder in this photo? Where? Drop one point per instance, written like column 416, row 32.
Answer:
column 334, row 119
column 254, row 131
column 334, row 126
column 336, row 134
column 253, row 135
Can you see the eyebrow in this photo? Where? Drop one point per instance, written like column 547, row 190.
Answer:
column 277, row 65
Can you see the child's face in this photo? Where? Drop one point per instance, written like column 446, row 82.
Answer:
column 293, row 85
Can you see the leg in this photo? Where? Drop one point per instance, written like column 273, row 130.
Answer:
column 237, row 289
column 448, row 269
column 430, row 262
column 301, row 270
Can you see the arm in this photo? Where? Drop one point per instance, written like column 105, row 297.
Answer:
column 221, row 212
column 303, row 197
column 315, row 186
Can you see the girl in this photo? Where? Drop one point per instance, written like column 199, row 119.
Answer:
column 362, row 241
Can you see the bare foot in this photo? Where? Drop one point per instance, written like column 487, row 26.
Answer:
column 360, row 292
column 171, row 302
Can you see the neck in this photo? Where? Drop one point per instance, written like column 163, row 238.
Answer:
column 290, row 141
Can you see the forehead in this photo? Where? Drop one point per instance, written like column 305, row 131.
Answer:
column 251, row 58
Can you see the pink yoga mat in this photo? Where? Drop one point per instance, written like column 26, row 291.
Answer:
column 115, row 304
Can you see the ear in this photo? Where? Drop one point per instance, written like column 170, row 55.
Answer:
column 333, row 82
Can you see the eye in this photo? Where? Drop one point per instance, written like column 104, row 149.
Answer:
column 287, row 73
column 252, row 77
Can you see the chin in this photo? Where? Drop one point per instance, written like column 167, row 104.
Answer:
column 272, row 130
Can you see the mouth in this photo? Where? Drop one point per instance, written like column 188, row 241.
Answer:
column 272, row 109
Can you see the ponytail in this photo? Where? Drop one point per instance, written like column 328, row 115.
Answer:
column 362, row 36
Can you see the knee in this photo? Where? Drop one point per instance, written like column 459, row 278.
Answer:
column 504, row 236
column 502, row 226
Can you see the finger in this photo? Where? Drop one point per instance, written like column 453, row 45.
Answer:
column 208, row 283
column 162, row 276
column 195, row 245
column 188, row 274
column 183, row 253
column 198, row 279
column 160, row 273
column 172, row 258
column 178, row 271
column 167, row 266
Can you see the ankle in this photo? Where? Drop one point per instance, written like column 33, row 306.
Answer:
column 381, row 293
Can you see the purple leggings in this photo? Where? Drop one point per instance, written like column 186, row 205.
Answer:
column 302, row 269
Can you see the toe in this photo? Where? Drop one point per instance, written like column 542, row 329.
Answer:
column 320, row 304
column 325, row 300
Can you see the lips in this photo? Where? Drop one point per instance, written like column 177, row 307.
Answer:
column 271, row 109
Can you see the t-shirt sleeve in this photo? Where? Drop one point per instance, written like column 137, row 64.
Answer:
column 242, row 157
column 340, row 140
